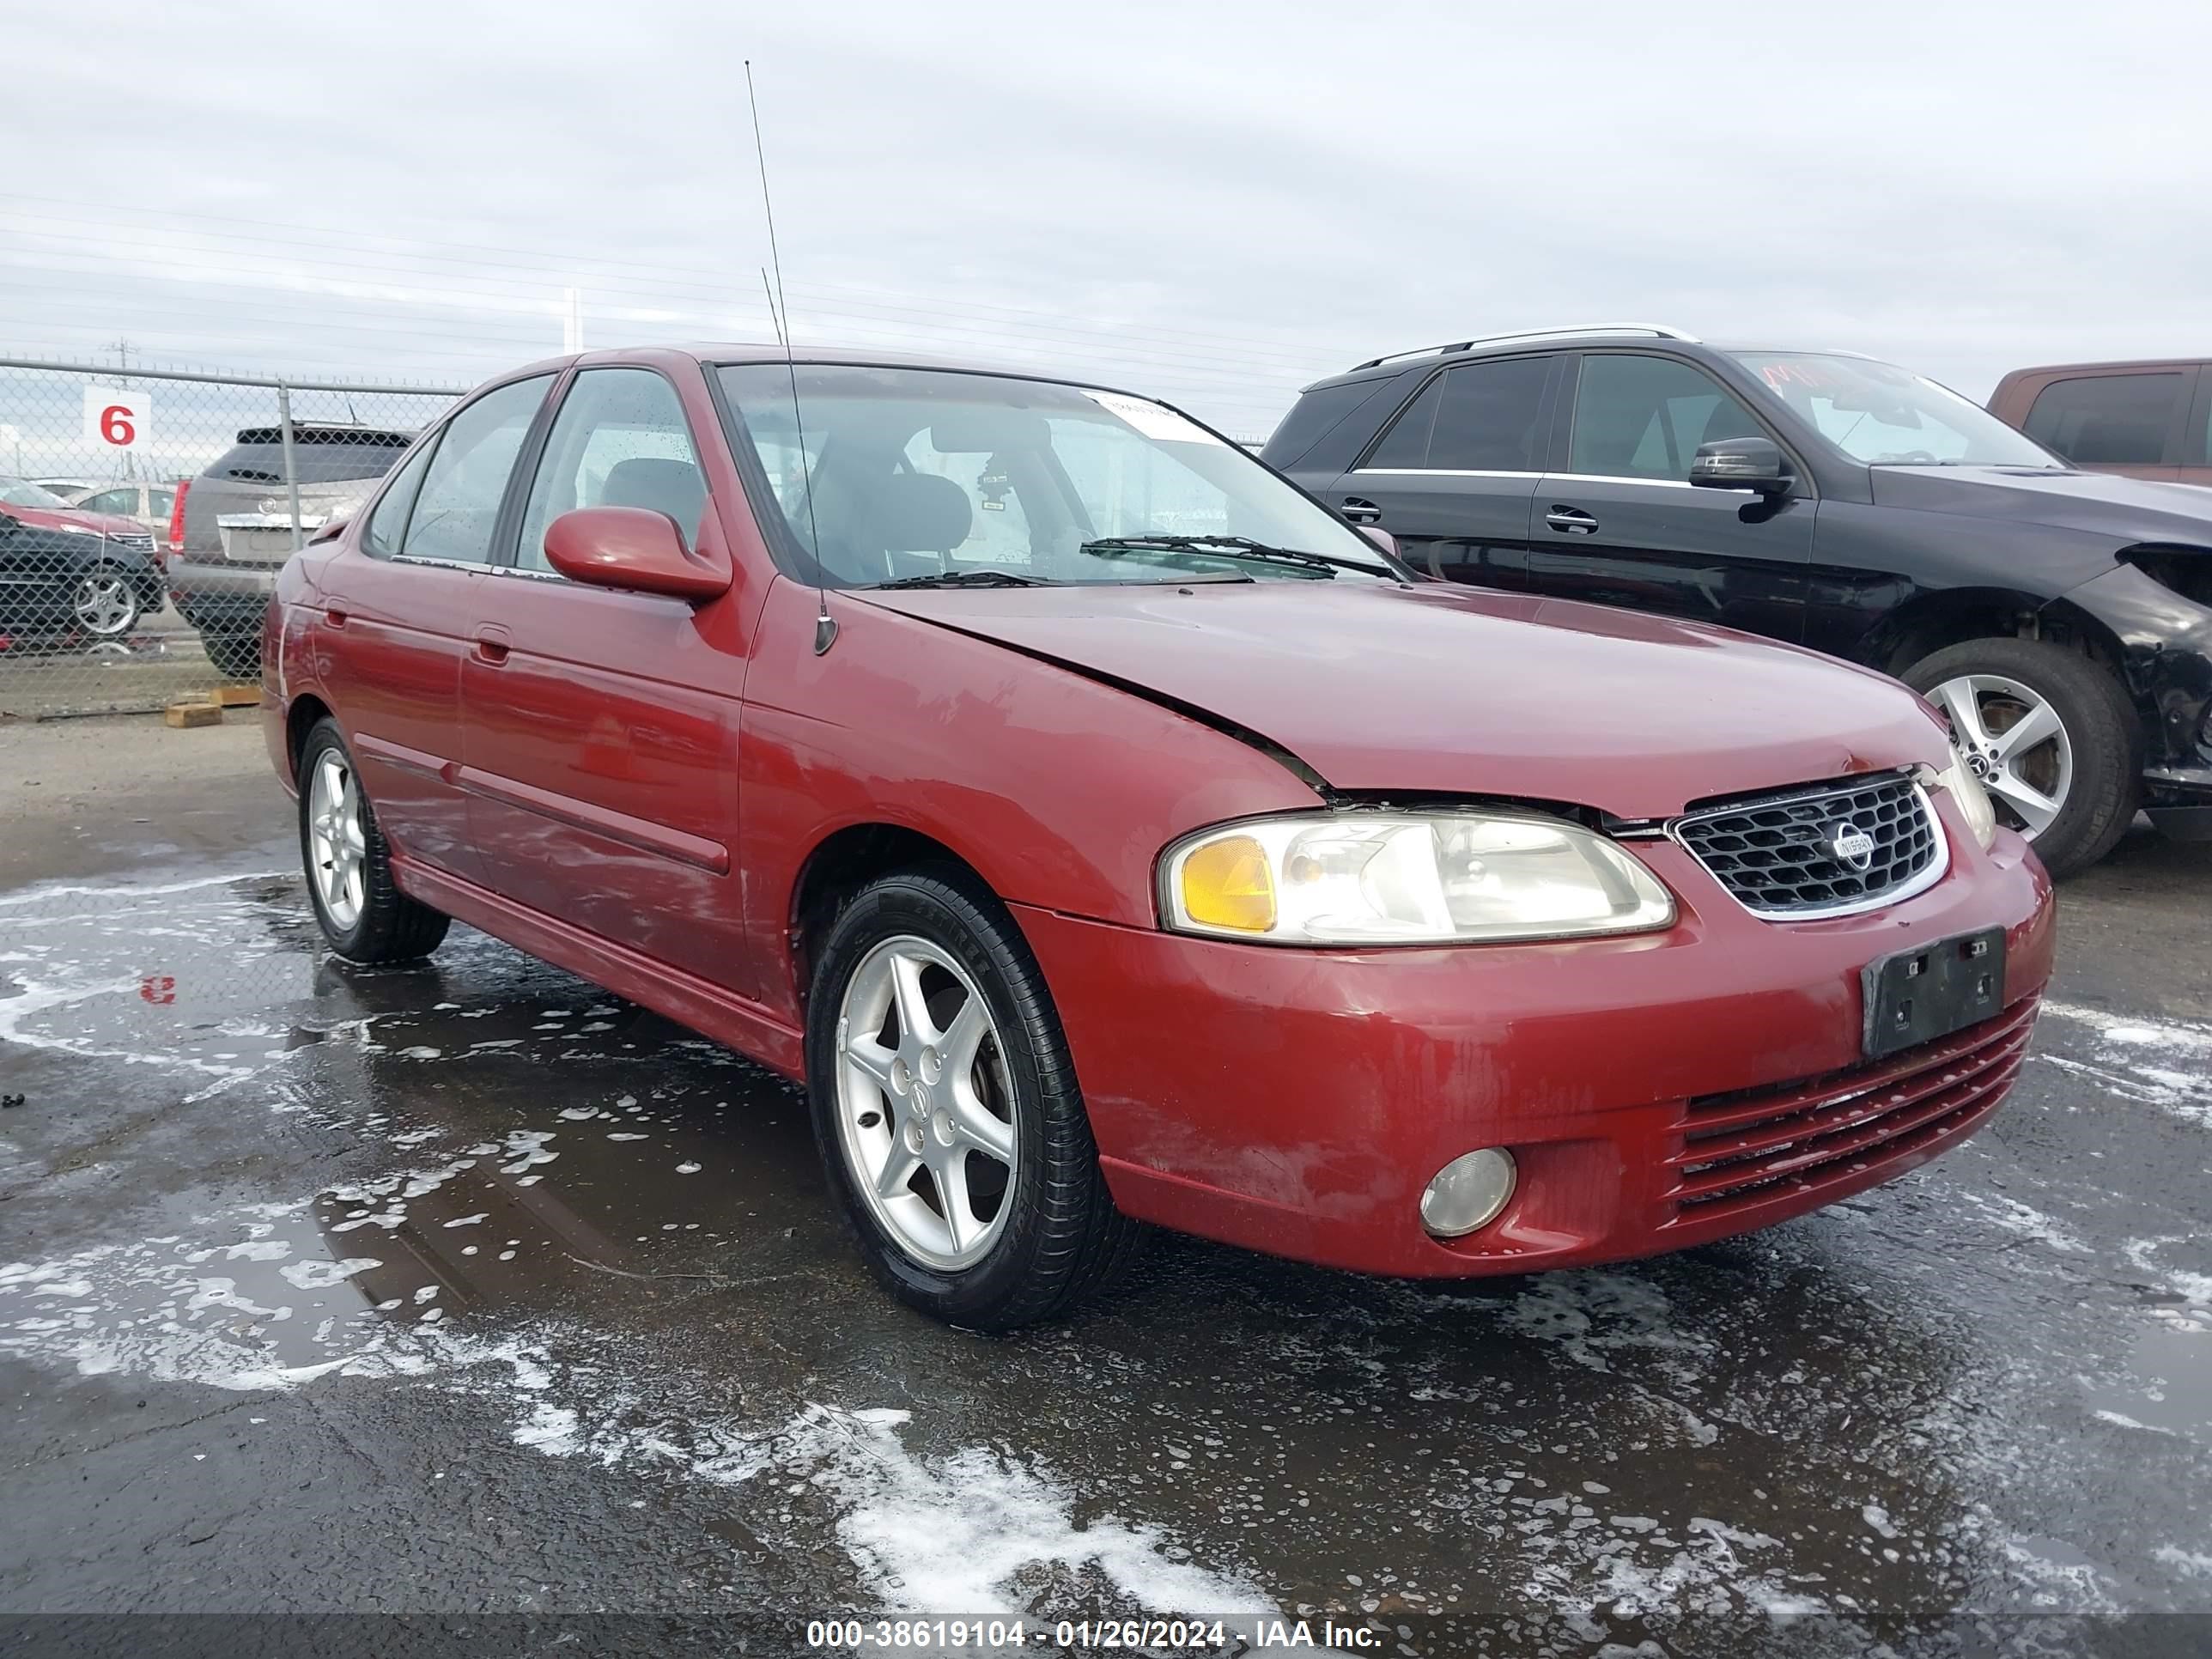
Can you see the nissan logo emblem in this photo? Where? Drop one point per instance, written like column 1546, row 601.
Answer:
column 1851, row 846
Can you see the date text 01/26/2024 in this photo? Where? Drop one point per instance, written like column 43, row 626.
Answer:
column 1081, row 1634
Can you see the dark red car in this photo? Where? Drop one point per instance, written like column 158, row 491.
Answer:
column 1107, row 833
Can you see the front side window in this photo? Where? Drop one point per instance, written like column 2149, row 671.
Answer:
column 885, row 475
column 2108, row 420
column 458, row 506
column 1644, row 417
column 619, row 440
column 1883, row 415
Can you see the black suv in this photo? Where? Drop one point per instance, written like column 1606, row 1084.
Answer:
column 2061, row 620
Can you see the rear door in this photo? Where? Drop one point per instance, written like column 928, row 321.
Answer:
column 397, row 612
column 601, row 750
column 2134, row 422
column 1452, row 478
column 1619, row 522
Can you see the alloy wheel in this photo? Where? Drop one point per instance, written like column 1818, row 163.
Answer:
column 926, row 1114
column 337, row 846
column 104, row 605
column 2013, row 742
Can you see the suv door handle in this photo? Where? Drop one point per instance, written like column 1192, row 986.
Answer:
column 1570, row 520
column 491, row 644
column 1357, row 509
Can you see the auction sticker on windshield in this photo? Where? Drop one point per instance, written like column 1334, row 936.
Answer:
column 1150, row 419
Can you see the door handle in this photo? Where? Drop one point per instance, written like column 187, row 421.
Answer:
column 1570, row 520
column 491, row 646
column 335, row 615
column 1357, row 509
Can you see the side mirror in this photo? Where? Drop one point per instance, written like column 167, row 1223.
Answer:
column 629, row 547
column 1742, row 464
column 1382, row 538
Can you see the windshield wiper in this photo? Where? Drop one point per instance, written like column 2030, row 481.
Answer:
column 1234, row 547
column 963, row 578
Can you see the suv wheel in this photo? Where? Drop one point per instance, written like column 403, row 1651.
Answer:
column 946, row 1111
column 363, row 916
column 234, row 656
column 2050, row 734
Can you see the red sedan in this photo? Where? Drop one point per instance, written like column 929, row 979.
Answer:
column 1106, row 833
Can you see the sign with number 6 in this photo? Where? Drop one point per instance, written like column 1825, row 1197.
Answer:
column 117, row 417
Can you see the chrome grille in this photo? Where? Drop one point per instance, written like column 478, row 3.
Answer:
column 1790, row 855
column 142, row 542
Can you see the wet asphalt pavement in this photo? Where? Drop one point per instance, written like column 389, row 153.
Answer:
column 473, row 1288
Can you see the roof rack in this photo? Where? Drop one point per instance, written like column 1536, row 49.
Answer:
column 1656, row 329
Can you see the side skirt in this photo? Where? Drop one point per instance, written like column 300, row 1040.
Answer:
column 706, row 1008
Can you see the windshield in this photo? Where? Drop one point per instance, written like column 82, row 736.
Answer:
column 1886, row 416
column 925, row 476
column 21, row 492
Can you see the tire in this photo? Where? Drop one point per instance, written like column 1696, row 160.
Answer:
column 364, row 916
column 2093, row 762
column 104, row 603
column 234, row 656
column 1053, row 1237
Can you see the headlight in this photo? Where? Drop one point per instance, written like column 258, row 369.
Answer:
column 78, row 530
column 1973, row 800
column 1400, row 878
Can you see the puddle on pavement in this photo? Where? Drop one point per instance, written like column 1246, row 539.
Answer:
column 2168, row 1384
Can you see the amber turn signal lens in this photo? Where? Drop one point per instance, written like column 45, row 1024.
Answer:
column 1227, row 883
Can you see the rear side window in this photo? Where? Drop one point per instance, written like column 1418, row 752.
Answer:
column 380, row 537
column 2110, row 419
column 111, row 501
column 458, row 506
column 1406, row 443
column 1487, row 422
column 1644, row 417
column 1313, row 416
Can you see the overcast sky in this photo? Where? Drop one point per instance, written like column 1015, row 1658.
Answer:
column 1214, row 202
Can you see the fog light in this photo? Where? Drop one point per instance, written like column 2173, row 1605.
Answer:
column 1467, row 1193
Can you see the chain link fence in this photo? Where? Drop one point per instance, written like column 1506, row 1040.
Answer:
column 143, row 516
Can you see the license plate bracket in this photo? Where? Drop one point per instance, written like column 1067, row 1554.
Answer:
column 1932, row 990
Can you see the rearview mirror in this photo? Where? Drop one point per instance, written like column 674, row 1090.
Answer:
column 629, row 547
column 1742, row 464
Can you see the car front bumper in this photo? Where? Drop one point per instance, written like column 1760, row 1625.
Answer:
column 219, row 597
column 1298, row 1102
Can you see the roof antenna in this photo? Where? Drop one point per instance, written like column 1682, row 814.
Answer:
column 825, row 625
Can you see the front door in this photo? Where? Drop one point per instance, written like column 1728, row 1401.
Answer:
column 1453, row 476
column 394, row 617
column 1620, row 524
column 601, row 763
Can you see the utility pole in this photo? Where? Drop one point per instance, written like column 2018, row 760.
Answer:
column 122, row 350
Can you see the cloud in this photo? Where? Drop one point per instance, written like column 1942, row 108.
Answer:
column 1213, row 203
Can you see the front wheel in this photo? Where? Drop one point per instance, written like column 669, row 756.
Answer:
column 104, row 604
column 946, row 1111
column 363, row 916
column 2050, row 734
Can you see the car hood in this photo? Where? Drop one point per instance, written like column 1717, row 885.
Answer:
column 2102, row 503
column 52, row 518
column 1380, row 689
